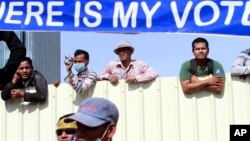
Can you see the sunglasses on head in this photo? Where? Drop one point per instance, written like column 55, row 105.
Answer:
column 66, row 130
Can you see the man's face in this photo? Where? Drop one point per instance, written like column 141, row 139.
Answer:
column 124, row 54
column 85, row 133
column 25, row 70
column 80, row 59
column 200, row 50
column 66, row 134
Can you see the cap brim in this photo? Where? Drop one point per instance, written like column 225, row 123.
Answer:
column 86, row 120
column 130, row 47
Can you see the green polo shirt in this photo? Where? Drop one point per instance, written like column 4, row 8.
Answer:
column 186, row 75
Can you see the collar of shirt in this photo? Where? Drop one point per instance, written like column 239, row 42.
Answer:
column 119, row 64
column 83, row 72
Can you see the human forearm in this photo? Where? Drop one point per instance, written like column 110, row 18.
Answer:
column 145, row 77
column 83, row 86
column 38, row 92
column 148, row 74
column 216, row 88
column 34, row 97
column 240, row 70
column 38, row 95
column 190, row 88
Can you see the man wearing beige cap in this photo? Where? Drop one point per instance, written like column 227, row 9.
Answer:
column 131, row 70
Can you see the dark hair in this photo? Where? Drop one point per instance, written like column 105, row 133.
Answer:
column 28, row 60
column 85, row 53
column 200, row 40
column 64, row 116
column 4, row 76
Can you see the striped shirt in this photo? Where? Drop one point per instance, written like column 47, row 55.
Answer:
column 82, row 81
column 139, row 69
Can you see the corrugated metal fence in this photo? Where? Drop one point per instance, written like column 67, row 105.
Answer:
column 157, row 111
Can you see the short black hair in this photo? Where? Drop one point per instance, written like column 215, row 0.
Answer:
column 80, row 51
column 28, row 60
column 200, row 40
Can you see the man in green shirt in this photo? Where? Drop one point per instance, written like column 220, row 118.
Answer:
column 192, row 71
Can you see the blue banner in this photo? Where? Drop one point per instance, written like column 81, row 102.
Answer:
column 185, row 16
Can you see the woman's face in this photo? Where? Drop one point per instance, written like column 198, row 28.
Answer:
column 25, row 70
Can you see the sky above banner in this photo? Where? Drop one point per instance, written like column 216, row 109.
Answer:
column 184, row 16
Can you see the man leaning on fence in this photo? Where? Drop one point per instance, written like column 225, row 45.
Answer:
column 241, row 65
column 84, row 78
column 201, row 73
column 132, row 71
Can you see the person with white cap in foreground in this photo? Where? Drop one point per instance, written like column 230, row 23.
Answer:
column 132, row 71
column 96, row 120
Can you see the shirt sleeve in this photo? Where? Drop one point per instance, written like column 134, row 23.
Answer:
column 5, row 94
column 106, row 72
column 184, row 71
column 41, row 88
column 83, row 83
column 147, row 73
column 218, row 70
column 68, row 77
column 238, row 67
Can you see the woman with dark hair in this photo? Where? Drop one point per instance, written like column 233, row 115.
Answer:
column 27, row 83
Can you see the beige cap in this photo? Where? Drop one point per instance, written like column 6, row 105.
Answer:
column 123, row 44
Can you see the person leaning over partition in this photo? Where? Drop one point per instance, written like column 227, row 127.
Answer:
column 84, row 79
column 192, row 71
column 27, row 84
column 132, row 71
column 241, row 65
column 66, row 131
column 96, row 120
column 17, row 52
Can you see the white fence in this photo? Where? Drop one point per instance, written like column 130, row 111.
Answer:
column 157, row 111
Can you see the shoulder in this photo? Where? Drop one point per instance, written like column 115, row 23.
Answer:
column 244, row 54
column 113, row 63
column 216, row 63
column 90, row 71
column 138, row 62
column 186, row 63
column 38, row 74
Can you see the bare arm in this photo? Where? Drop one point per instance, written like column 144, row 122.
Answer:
column 216, row 88
column 214, row 84
column 188, row 87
